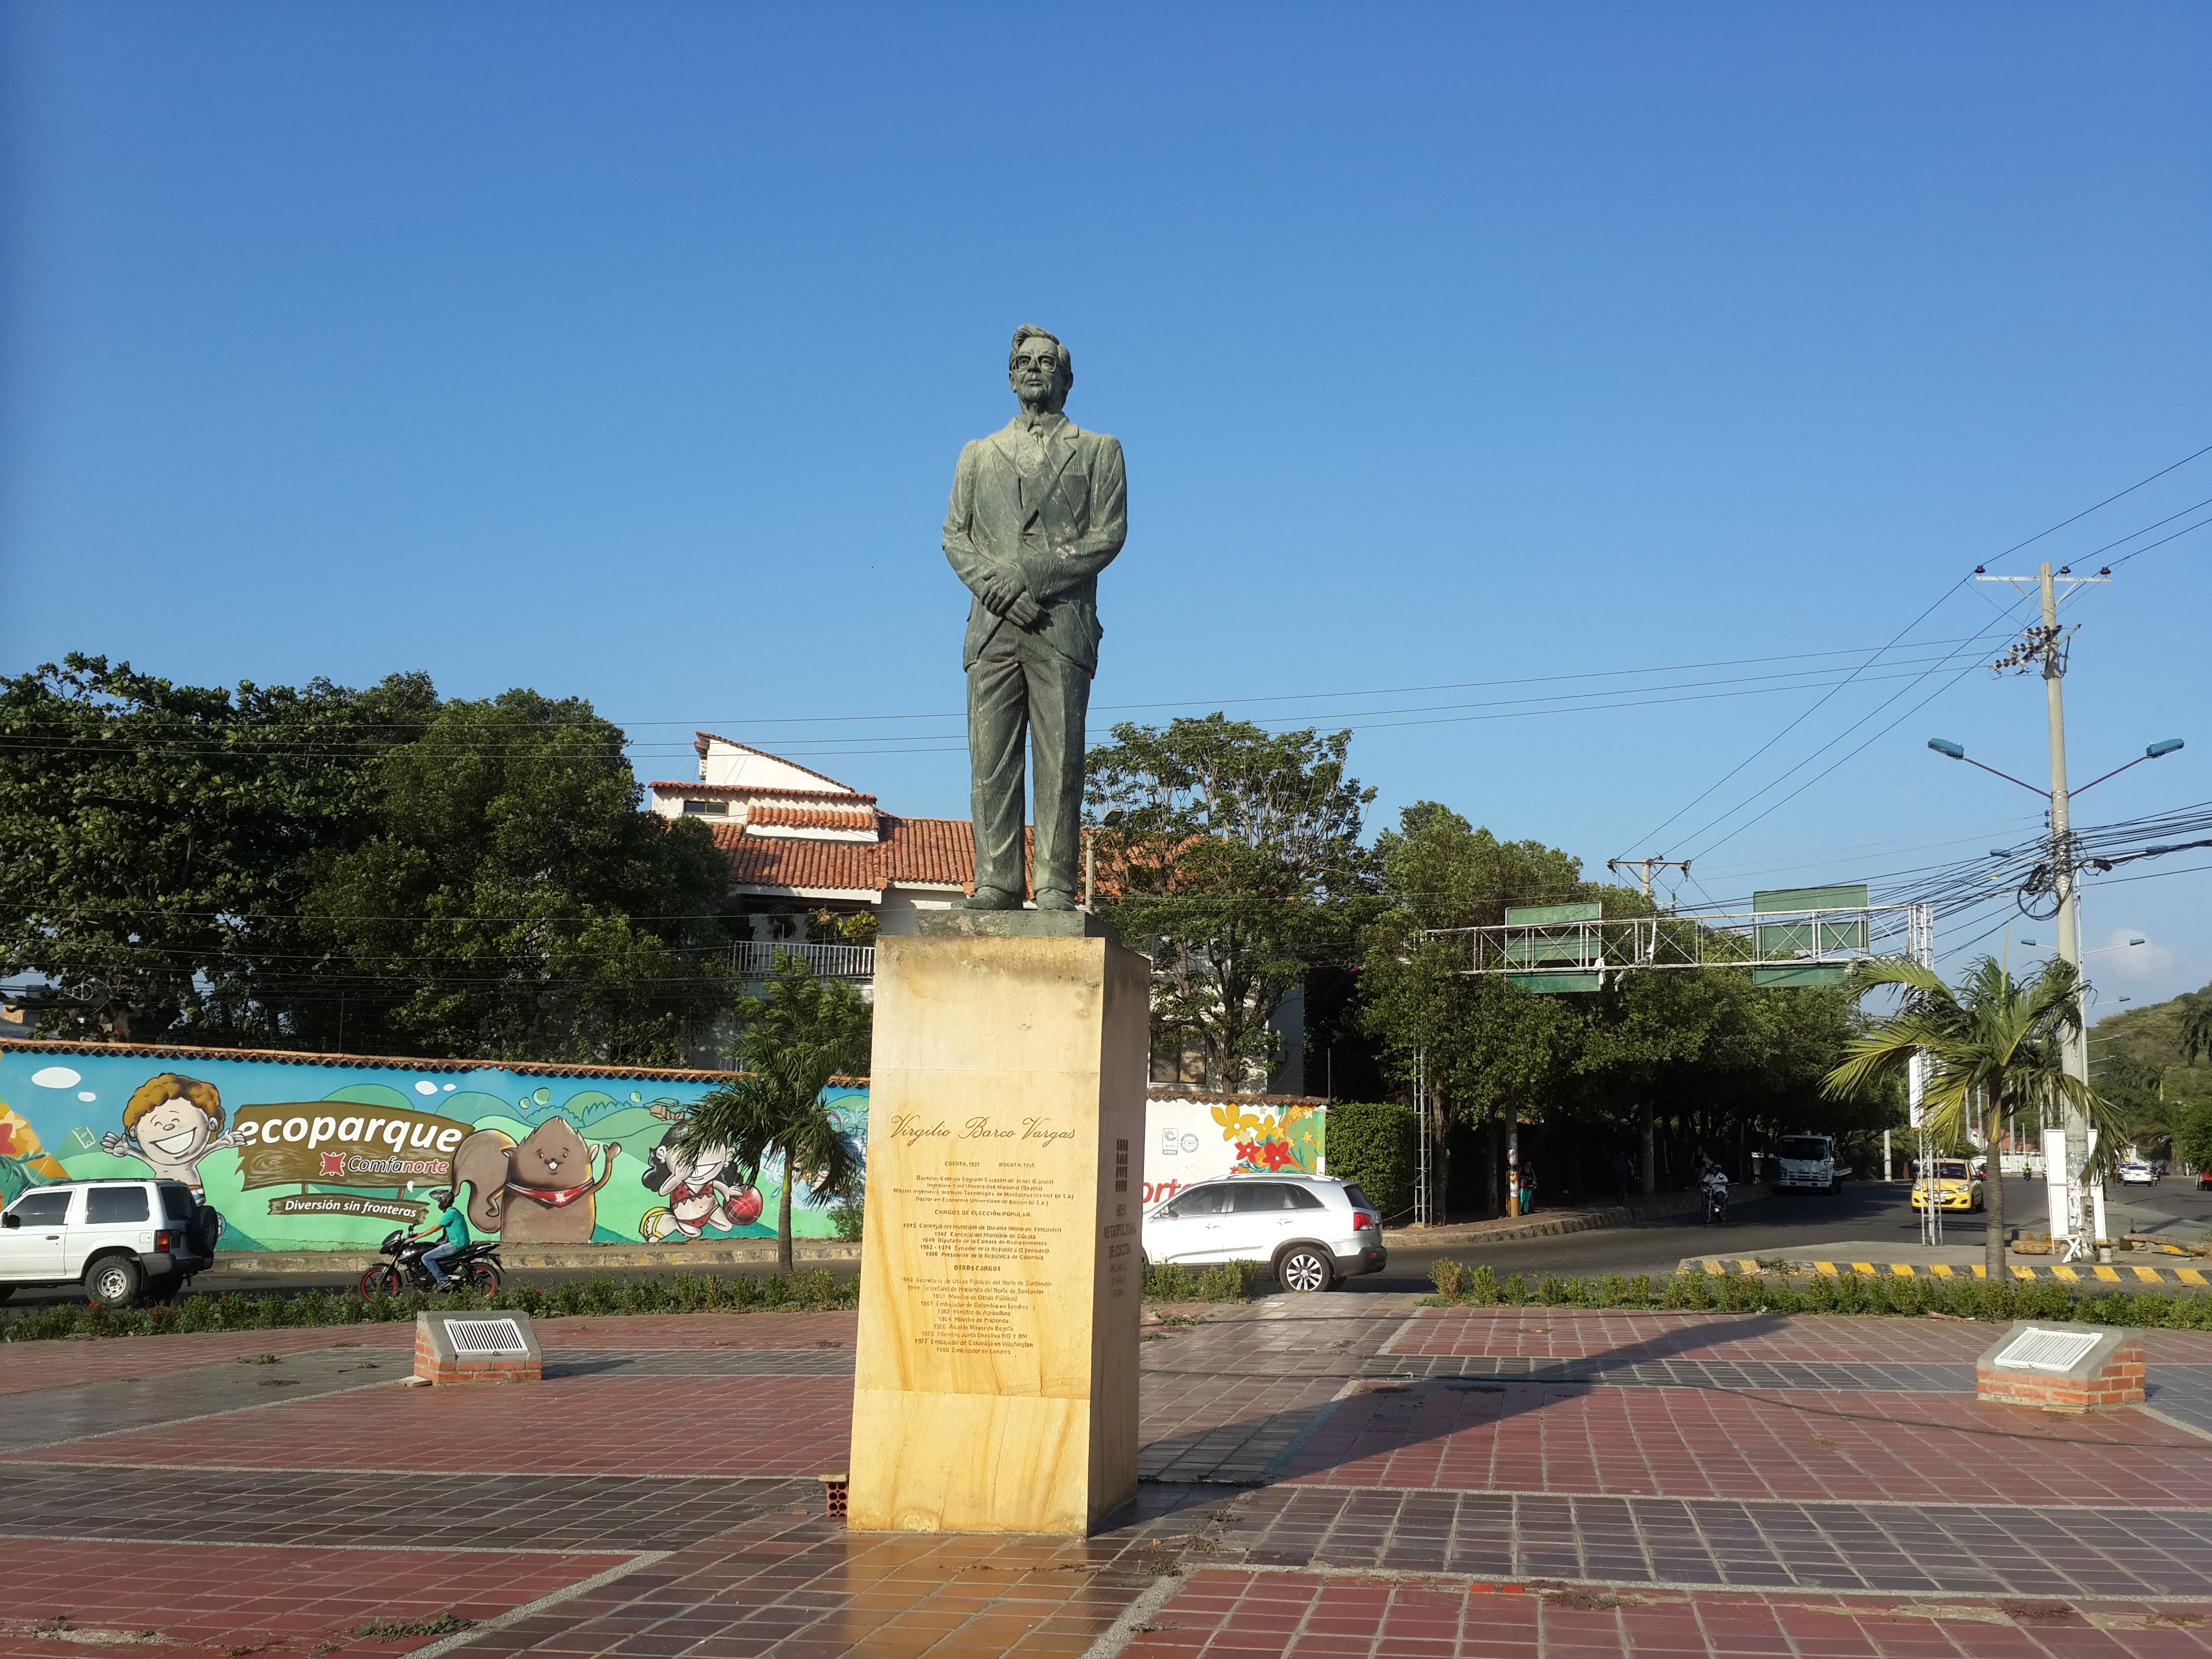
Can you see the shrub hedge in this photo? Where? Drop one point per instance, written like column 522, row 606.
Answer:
column 1461, row 1285
column 811, row 1291
column 1225, row 1281
column 1376, row 1145
column 681, row 1294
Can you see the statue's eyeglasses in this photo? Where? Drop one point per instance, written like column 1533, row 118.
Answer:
column 1046, row 360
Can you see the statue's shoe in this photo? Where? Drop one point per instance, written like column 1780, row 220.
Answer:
column 1053, row 899
column 992, row 898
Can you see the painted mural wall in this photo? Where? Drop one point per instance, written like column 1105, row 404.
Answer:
column 333, row 1154
column 1191, row 1141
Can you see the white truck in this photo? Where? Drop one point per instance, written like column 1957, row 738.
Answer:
column 120, row 1239
column 1806, row 1164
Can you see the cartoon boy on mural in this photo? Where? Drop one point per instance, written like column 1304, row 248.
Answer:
column 171, row 1123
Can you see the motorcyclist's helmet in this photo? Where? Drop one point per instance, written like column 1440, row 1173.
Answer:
column 442, row 1197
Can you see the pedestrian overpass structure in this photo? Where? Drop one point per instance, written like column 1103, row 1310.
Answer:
column 1791, row 936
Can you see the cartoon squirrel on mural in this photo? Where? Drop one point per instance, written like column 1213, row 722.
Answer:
column 538, row 1192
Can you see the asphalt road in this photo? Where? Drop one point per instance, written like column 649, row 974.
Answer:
column 1761, row 1227
column 1786, row 1225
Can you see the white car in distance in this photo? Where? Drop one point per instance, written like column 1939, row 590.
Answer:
column 2135, row 1172
column 1314, row 1230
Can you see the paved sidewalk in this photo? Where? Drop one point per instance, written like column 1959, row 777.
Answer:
column 1325, row 1476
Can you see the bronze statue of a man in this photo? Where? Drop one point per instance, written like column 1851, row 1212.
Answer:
column 1038, row 510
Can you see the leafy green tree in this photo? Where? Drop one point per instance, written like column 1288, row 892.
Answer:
column 2132, row 1088
column 1994, row 1047
column 515, row 902
column 1704, row 1057
column 2192, row 1141
column 803, row 1033
column 1236, row 851
column 1488, row 1048
column 156, row 838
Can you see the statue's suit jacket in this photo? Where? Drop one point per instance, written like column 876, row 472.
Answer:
column 1059, row 526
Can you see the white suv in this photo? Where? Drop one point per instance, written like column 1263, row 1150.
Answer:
column 121, row 1238
column 1315, row 1231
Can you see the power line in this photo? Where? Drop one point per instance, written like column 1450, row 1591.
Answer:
column 1774, row 806
column 1359, row 721
column 2107, row 501
column 1650, row 835
column 194, row 741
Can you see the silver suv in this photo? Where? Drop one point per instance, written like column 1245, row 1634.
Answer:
column 122, row 1239
column 1315, row 1231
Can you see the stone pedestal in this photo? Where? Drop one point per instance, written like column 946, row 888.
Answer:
column 996, row 1377
column 2062, row 1368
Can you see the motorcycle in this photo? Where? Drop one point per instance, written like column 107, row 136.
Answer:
column 477, row 1269
column 1716, row 1187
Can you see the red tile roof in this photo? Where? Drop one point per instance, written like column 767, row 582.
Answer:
column 937, row 850
column 814, row 817
column 389, row 1062
column 736, row 791
column 1189, row 1091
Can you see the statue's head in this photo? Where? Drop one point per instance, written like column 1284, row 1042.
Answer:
column 1039, row 369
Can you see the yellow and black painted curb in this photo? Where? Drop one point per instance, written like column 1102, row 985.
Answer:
column 2063, row 1273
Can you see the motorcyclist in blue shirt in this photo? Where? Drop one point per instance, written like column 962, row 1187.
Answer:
column 455, row 1226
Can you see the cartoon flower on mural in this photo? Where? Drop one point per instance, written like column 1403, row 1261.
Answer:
column 23, row 1160
column 1272, row 1138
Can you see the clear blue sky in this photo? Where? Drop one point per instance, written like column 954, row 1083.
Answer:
column 625, row 351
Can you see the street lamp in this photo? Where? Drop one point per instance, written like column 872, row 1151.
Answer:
column 1957, row 751
column 2064, row 870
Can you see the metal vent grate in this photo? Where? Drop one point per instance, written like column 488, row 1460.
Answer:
column 2037, row 1349
column 485, row 1336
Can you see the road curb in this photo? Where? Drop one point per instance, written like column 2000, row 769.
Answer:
column 2061, row 1272
column 602, row 1257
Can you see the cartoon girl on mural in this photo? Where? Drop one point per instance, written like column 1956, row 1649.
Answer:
column 699, row 1196
column 172, row 1122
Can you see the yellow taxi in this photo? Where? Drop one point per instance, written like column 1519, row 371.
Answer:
column 1958, row 1186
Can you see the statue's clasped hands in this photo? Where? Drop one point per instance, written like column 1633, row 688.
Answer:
column 1004, row 594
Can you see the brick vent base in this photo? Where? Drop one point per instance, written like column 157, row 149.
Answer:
column 2118, row 1382
column 502, row 1368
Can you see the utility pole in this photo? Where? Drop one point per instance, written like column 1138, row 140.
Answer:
column 2080, row 1223
column 2049, row 644
column 1643, row 867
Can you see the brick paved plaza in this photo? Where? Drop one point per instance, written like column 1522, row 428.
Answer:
column 1327, row 1476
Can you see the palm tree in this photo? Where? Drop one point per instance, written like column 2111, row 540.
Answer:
column 2197, row 1032
column 803, row 1033
column 1994, row 1047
